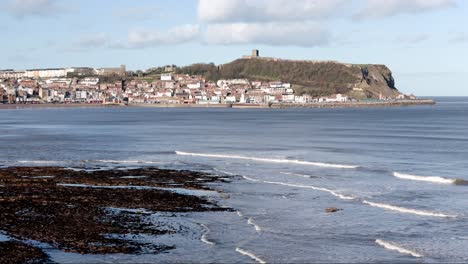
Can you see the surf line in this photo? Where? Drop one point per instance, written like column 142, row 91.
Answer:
column 296, row 174
column 203, row 238
column 433, row 179
column 250, row 255
column 345, row 197
column 407, row 210
column 250, row 221
column 300, row 162
column 393, row 247
column 332, row 192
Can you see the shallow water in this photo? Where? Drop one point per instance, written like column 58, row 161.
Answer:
column 391, row 170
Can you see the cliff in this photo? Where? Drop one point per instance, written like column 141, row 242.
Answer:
column 317, row 78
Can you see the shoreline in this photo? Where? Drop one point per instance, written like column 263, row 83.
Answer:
column 400, row 103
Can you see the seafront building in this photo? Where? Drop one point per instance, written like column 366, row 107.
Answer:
column 117, row 86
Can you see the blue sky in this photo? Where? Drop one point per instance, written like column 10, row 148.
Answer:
column 424, row 42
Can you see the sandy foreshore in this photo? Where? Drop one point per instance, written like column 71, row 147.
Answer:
column 75, row 210
column 397, row 103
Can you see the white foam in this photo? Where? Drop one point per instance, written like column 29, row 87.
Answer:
column 225, row 172
column 257, row 227
column 332, row 192
column 434, row 179
column 300, row 162
column 407, row 210
column 250, row 255
column 204, row 239
column 391, row 246
column 126, row 161
column 133, row 177
column 296, row 174
column 40, row 161
column 239, row 213
column 250, row 179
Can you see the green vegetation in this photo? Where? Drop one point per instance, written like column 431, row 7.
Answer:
column 308, row 78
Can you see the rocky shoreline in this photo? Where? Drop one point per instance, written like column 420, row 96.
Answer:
column 77, row 210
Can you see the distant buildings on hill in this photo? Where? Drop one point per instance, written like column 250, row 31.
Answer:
column 62, row 72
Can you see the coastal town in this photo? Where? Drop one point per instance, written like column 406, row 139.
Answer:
column 161, row 86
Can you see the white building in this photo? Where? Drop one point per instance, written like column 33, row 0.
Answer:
column 196, row 85
column 166, row 77
column 336, row 98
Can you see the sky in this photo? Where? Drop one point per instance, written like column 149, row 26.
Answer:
column 423, row 42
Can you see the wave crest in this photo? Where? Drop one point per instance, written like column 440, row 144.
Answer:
column 434, row 179
column 300, row 162
column 394, row 247
column 406, row 210
column 250, row 255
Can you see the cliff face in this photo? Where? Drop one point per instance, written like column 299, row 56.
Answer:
column 307, row 77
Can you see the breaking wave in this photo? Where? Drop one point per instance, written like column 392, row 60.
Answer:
column 298, row 175
column 434, row 179
column 239, row 213
column 203, row 238
column 332, row 192
column 300, row 162
column 391, row 246
column 407, row 210
column 250, row 255
column 257, row 227
column 125, row 161
column 41, row 161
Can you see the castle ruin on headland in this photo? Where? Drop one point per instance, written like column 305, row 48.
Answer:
column 256, row 55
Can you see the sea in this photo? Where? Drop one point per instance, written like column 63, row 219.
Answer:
column 397, row 175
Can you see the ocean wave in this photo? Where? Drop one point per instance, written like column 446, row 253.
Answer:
column 407, row 210
column 300, row 162
column 434, row 179
column 239, row 213
column 125, row 161
column 297, row 174
column 250, row 179
column 257, row 227
column 394, row 247
column 332, row 192
column 225, row 172
column 41, row 161
column 203, row 238
column 250, row 255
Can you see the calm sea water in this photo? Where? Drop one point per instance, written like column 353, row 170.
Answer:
column 391, row 170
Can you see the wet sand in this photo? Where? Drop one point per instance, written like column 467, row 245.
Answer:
column 74, row 211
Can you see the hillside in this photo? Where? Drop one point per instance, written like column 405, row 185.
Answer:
column 307, row 77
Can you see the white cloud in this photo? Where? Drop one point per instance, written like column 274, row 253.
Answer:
column 175, row 35
column 460, row 37
column 413, row 39
column 244, row 11
column 304, row 34
column 40, row 8
column 375, row 9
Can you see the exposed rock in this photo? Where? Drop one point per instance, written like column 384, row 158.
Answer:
column 332, row 210
column 77, row 219
column 12, row 252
